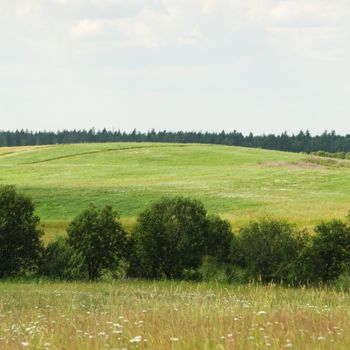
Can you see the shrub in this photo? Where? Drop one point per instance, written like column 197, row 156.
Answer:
column 270, row 250
column 99, row 238
column 212, row 270
column 329, row 254
column 60, row 261
column 219, row 239
column 20, row 244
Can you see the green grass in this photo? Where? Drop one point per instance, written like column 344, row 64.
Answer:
column 170, row 315
column 238, row 183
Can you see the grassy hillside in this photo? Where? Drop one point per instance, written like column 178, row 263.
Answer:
column 238, row 183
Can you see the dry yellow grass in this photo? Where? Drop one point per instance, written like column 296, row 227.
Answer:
column 169, row 315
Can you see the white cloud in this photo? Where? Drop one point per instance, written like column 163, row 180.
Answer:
column 302, row 27
column 252, row 52
column 24, row 8
column 311, row 13
column 88, row 28
column 313, row 29
column 192, row 37
column 153, row 29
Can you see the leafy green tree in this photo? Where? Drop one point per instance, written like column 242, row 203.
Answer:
column 329, row 253
column 169, row 237
column 270, row 249
column 219, row 239
column 99, row 238
column 173, row 235
column 20, row 244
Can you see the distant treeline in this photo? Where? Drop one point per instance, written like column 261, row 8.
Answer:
column 301, row 142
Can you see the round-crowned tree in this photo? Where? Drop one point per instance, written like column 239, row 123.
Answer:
column 99, row 238
column 20, row 244
column 269, row 249
column 170, row 236
column 329, row 253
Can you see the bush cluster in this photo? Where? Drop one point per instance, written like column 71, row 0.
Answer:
column 174, row 238
column 337, row 155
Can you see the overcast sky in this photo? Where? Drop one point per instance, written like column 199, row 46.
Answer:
column 251, row 65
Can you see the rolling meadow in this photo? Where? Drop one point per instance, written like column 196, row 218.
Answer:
column 239, row 184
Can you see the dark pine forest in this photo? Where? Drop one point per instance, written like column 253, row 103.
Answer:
column 301, row 142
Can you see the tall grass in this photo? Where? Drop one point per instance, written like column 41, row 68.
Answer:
column 171, row 315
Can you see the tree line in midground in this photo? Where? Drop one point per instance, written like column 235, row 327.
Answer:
column 301, row 142
column 173, row 238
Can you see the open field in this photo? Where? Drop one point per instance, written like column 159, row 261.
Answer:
column 238, row 183
column 169, row 315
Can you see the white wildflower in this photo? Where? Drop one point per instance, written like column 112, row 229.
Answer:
column 136, row 339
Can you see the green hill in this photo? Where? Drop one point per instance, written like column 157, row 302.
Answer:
column 238, row 183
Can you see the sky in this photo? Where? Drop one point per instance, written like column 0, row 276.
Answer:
column 265, row 66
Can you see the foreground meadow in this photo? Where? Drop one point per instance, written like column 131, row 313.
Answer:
column 238, row 183
column 169, row 315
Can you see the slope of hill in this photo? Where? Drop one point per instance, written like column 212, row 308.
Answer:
column 238, row 183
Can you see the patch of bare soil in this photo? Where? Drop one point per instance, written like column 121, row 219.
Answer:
column 310, row 163
column 303, row 164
